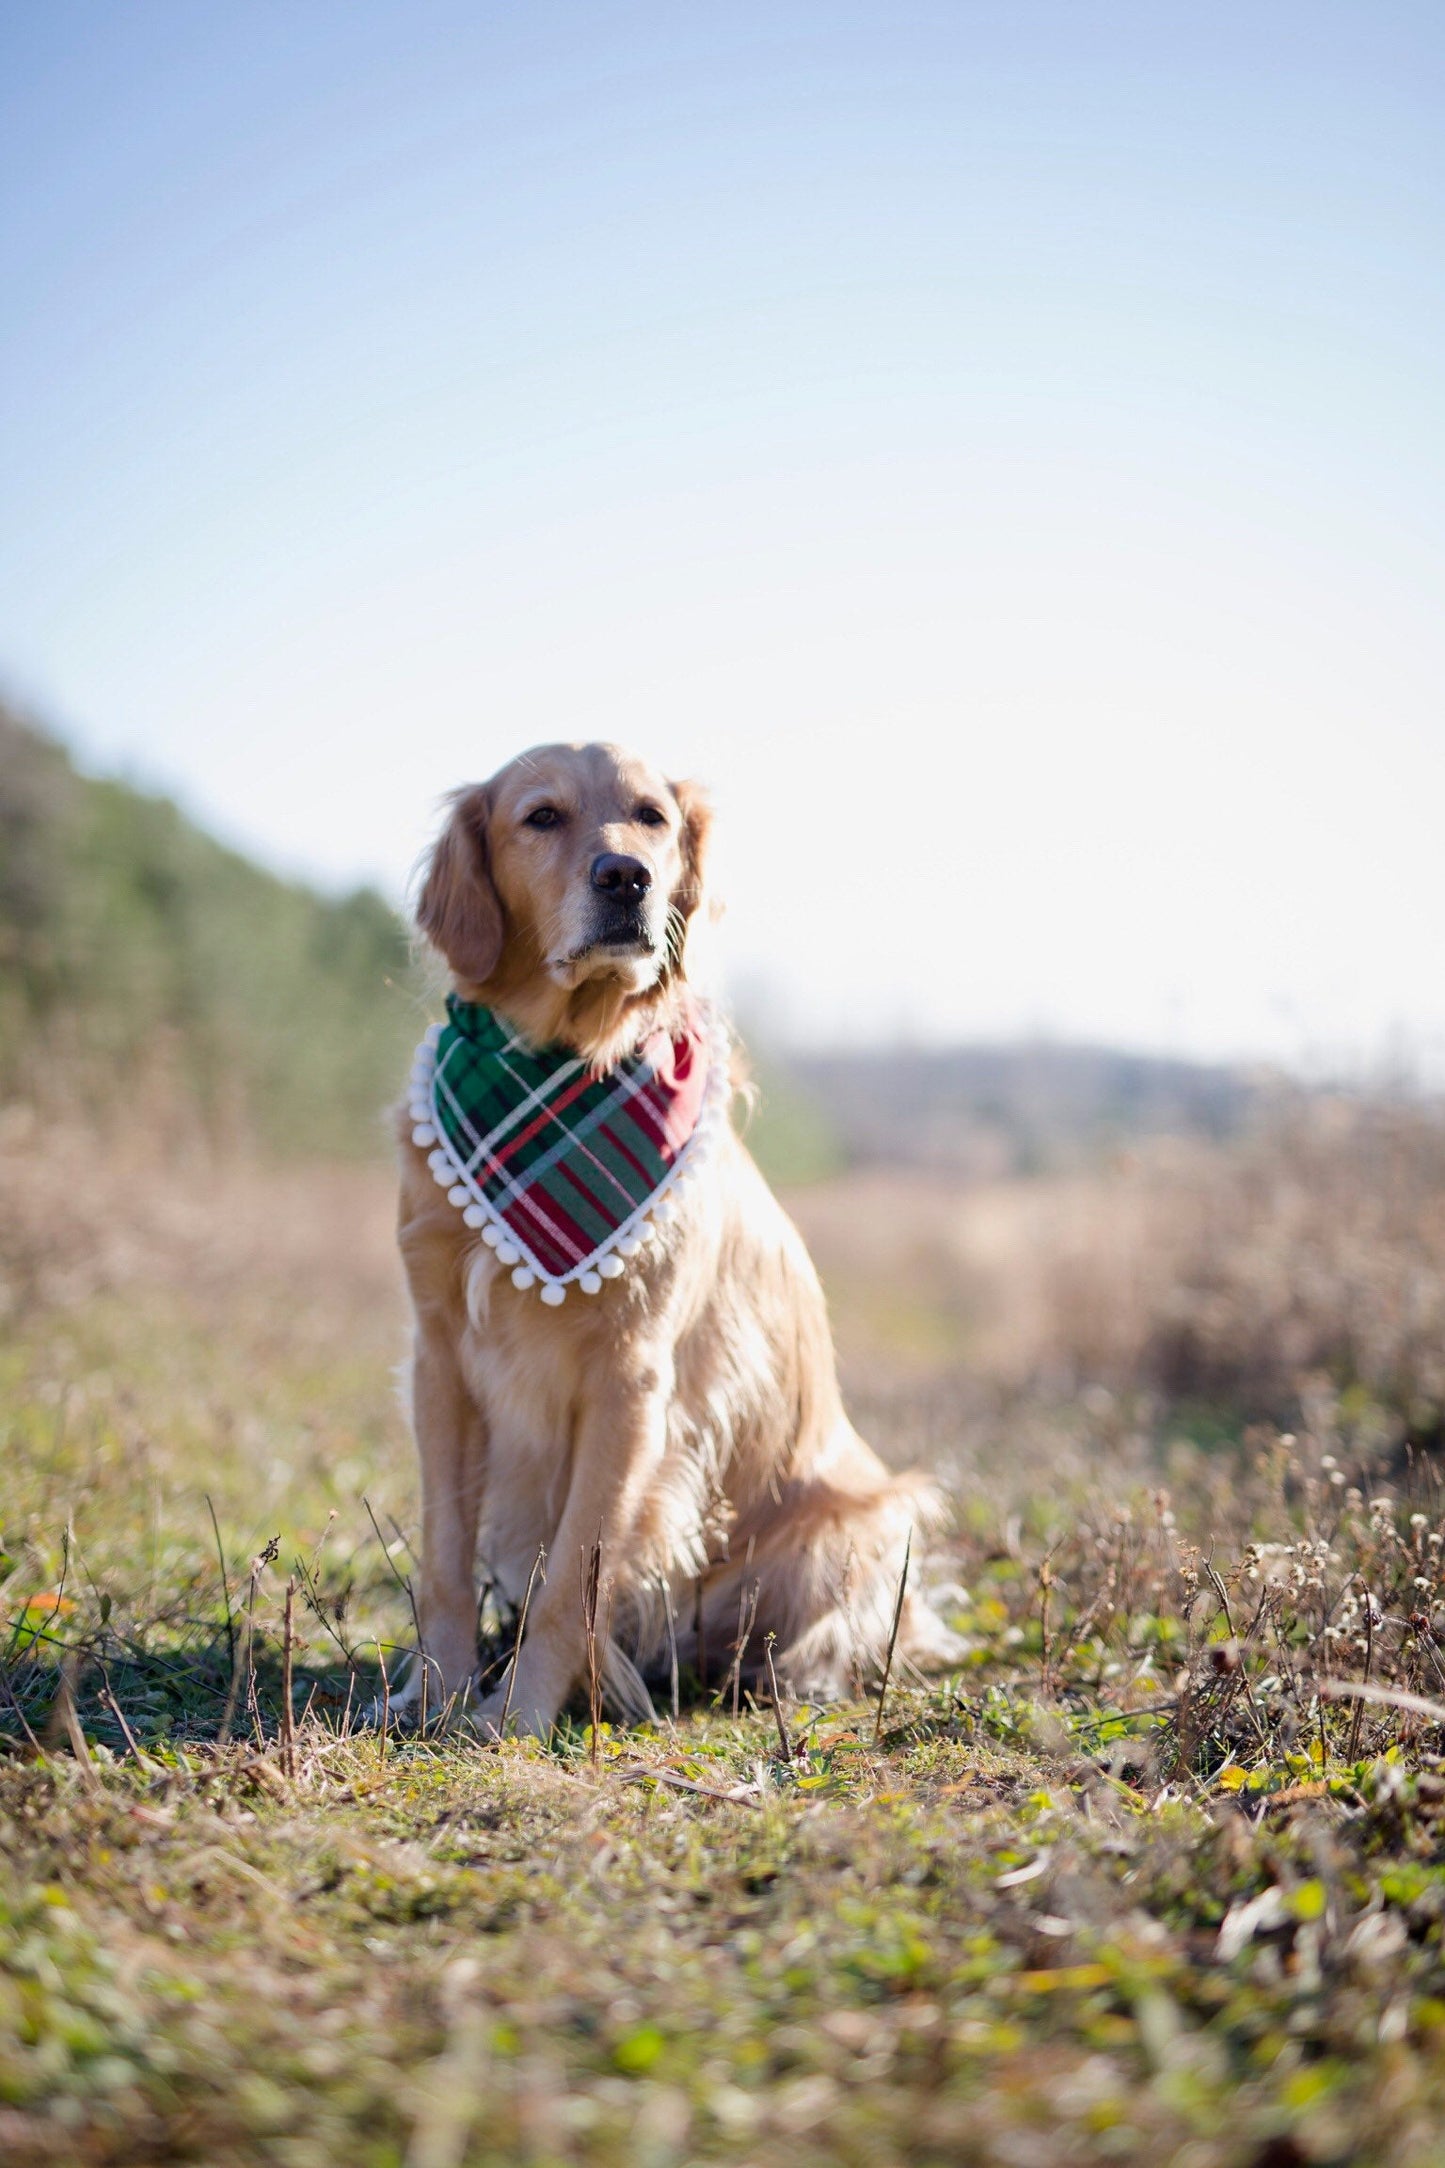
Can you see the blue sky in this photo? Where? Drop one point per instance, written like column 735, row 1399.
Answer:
column 999, row 446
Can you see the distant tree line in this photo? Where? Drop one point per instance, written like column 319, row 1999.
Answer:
column 146, row 971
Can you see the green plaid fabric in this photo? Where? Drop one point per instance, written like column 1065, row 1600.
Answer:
column 557, row 1167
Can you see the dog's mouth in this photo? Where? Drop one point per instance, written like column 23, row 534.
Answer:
column 621, row 942
column 625, row 932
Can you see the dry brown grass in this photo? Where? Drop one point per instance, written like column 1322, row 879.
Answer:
column 1237, row 1276
column 129, row 1211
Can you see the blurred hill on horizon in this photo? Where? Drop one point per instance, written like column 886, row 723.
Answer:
column 982, row 1111
column 142, row 961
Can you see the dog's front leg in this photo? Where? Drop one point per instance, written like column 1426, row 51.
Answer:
column 451, row 1448
column 620, row 1440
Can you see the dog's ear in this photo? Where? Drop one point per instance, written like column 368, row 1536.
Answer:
column 459, row 909
column 696, row 809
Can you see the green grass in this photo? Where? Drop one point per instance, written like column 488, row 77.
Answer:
column 1125, row 1887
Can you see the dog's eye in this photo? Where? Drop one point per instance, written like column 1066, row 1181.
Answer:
column 651, row 816
column 543, row 816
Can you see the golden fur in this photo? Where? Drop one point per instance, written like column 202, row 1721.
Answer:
column 689, row 1413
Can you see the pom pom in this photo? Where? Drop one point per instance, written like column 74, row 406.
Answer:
column 442, row 1176
column 590, row 1283
column 629, row 1248
column 611, row 1268
column 460, row 1195
column 424, row 1134
column 524, row 1277
column 438, row 1161
column 553, row 1296
column 474, row 1216
column 491, row 1234
column 664, row 1210
column 431, row 1036
column 508, row 1253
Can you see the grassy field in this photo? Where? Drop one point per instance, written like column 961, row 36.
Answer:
column 1150, row 1878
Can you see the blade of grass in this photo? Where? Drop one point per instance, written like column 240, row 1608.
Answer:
column 539, row 1565
column 747, row 1614
column 403, row 1581
column 225, row 1584
column 591, row 1583
column 893, row 1637
column 288, row 1712
column 777, row 1699
column 671, row 1643
column 1384, row 1697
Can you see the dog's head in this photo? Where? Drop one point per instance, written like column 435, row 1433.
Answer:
column 563, row 890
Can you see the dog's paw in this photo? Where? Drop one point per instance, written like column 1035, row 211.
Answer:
column 390, row 1713
column 523, row 1719
column 409, row 1710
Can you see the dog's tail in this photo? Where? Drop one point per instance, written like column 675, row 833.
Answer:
column 624, row 1688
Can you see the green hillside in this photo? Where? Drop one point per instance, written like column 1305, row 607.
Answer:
column 143, row 965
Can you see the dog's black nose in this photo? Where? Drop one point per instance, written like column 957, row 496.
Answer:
column 625, row 878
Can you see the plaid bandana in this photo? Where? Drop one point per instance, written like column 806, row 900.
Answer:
column 562, row 1171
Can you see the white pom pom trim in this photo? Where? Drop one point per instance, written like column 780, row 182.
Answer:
column 524, row 1277
column 424, row 1134
column 553, row 1295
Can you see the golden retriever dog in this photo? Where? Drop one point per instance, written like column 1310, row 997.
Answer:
column 686, row 1413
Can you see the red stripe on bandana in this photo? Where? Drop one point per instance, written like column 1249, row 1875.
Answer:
column 570, row 1174
column 555, row 1240
column 619, row 1144
column 540, row 1121
column 669, row 1114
